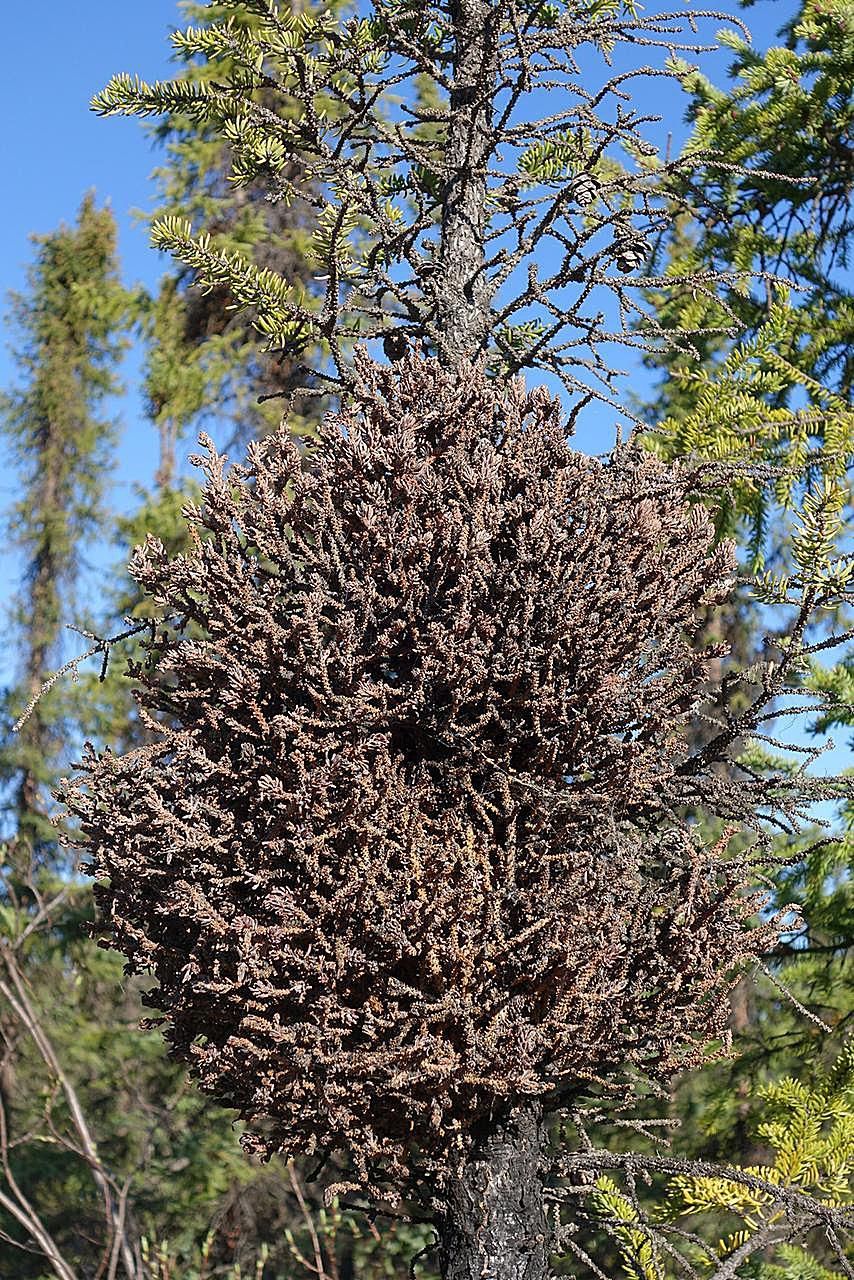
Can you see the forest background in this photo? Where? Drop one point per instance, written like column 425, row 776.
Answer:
column 150, row 361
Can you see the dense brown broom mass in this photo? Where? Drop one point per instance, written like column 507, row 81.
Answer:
column 403, row 847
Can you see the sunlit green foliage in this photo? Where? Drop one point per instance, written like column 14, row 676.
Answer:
column 807, row 1131
column 779, row 398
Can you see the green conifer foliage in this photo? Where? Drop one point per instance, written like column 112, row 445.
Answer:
column 447, row 201
column 69, row 337
column 204, row 356
column 736, row 1227
column 780, row 396
column 790, row 113
column 782, row 392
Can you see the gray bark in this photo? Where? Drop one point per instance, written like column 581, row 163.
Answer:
column 463, row 293
column 494, row 1226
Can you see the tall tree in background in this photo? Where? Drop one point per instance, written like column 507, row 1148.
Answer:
column 69, row 337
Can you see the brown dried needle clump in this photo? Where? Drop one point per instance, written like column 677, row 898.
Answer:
column 403, row 846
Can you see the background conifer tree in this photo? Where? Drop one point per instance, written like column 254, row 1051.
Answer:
column 68, row 327
column 782, row 395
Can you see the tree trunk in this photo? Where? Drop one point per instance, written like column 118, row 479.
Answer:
column 494, row 1225
column 463, row 293
column 42, row 627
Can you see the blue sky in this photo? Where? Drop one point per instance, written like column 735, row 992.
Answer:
column 54, row 148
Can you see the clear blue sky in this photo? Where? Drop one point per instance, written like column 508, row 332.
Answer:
column 54, row 149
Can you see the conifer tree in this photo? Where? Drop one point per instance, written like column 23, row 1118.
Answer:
column 69, row 337
column 781, row 392
column 781, row 395
column 360, row 661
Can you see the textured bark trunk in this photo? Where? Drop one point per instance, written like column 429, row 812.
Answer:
column 463, row 293
column 495, row 1226
column 43, row 625
column 741, row 1016
column 164, row 476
